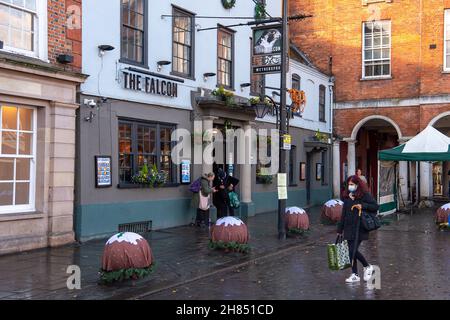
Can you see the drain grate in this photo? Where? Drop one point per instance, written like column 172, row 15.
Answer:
column 136, row 227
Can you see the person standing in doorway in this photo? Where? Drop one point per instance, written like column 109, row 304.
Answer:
column 360, row 175
column 220, row 198
column 356, row 197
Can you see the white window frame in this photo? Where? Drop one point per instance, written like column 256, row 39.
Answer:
column 31, row 207
column 40, row 35
column 446, row 38
column 363, row 42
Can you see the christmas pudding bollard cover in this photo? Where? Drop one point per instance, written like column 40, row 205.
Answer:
column 442, row 213
column 297, row 220
column 230, row 233
column 332, row 211
column 126, row 255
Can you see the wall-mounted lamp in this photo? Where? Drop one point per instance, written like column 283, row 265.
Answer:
column 207, row 75
column 245, row 85
column 91, row 103
column 103, row 48
column 162, row 63
column 275, row 94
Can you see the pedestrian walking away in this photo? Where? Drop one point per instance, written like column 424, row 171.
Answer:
column 356, row 198
column 201, row 198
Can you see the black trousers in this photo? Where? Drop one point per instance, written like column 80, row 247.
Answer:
column 222, row 211
column 202, row 217
column 358, row 256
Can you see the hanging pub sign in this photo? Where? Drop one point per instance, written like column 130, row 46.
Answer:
column 149, row 84
column 267, row 45
column 103, row 171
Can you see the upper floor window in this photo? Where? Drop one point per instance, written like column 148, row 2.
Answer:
column 133, row 31
column 296, row 81
column 183, row 43
column 225, row 56
column 447, row 41
column 19, row 25
column 322, row 92
column 376, row 49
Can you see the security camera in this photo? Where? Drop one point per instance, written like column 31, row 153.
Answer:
column 90, row 102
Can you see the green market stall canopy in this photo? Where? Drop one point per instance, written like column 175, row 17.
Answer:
column 429, row 145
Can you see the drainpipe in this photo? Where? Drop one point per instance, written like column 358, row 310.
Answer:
column 331, row 105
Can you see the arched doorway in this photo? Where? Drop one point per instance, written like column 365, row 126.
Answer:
column 370, row 135
column 441, row 170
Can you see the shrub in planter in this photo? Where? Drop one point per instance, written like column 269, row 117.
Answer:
column 152, row 177
column 224, row 95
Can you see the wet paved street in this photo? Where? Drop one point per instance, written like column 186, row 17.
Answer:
column 413, row 256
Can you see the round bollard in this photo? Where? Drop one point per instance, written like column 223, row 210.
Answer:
column 297, row 220
column 442, row 214
column 332, row 211
column 126, row 255
column 230, row 233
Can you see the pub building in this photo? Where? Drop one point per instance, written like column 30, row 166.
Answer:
column 141, row 89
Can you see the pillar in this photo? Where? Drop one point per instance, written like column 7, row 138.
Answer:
column 426, row 180
column 247, row 205
column 336, row 169
column 208, row 123
column 351, row 157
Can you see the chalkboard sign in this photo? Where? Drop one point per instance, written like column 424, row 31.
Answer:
column 103, row 172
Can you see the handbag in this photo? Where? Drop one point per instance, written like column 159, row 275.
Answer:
column 234, row 200
column 370, row 222
column 203, row 203
column 338, row 255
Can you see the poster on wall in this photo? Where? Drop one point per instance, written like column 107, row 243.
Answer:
column 103, row 171
column 266, row 53
column 185, row 171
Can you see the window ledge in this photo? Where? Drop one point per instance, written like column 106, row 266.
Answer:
column 21, row 216
column 138, row 186
column 133, row 63
column 445, row 71
column 376, row 78
column 182, row 75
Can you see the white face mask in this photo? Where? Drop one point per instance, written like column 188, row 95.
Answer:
column 352, row 188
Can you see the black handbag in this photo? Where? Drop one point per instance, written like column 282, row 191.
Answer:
column 370, row 222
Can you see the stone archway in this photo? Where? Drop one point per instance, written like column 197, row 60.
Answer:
column 362, row 122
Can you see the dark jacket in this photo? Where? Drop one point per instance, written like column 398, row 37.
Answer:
column 349, row 219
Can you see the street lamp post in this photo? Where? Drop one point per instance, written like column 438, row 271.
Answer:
column 283, row 116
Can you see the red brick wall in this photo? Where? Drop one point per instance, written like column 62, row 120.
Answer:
column 64, row 31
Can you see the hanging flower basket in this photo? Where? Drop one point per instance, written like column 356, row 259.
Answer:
column 149, row 178
column 228, row 4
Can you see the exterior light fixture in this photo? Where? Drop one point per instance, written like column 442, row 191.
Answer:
column 207, row 75
column 261, row 110
column 162, row 63
column 245, row 85
column 103, row 48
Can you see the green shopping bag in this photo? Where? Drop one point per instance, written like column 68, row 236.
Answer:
column 338, row 255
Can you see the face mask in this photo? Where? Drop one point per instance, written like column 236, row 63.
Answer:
column 352, row 188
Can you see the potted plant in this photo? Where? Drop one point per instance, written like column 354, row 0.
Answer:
column 263, row 178
column 224, row 95
column 319, row 136
column 151, row 178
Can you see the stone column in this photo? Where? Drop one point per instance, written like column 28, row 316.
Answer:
column 351, row 157
column 208, row 122
column 247, row 205
column 336, row 169
column 61, row 173
column 426, row 180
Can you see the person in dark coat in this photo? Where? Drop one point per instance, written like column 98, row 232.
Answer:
column 220, row 198
column 357, row 196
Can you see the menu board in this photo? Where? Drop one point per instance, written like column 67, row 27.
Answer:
column 185, row 171
column 103, row 171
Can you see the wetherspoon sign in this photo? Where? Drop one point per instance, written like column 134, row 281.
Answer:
column 149, row 84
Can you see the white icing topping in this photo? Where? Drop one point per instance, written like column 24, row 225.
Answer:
column 129, row 237
column 333, row 202
column 446, row 206
column 229, row 221
column 295, row 210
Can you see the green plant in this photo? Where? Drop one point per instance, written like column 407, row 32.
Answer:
column 260, row 11
column 151, row 177
column 225, row 95
column 233, row 246
column 263, row 178
column 228, row 4
column 124, row 274
column 254, row 100
column 320, row 136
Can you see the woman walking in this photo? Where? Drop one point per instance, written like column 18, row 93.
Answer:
column 356, row 197
column 202, row 219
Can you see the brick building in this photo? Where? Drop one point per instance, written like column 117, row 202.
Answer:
column 391, row 61
column 40, row 72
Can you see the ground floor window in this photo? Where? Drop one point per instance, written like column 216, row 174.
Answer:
column 17, row 158
column 145, row 143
